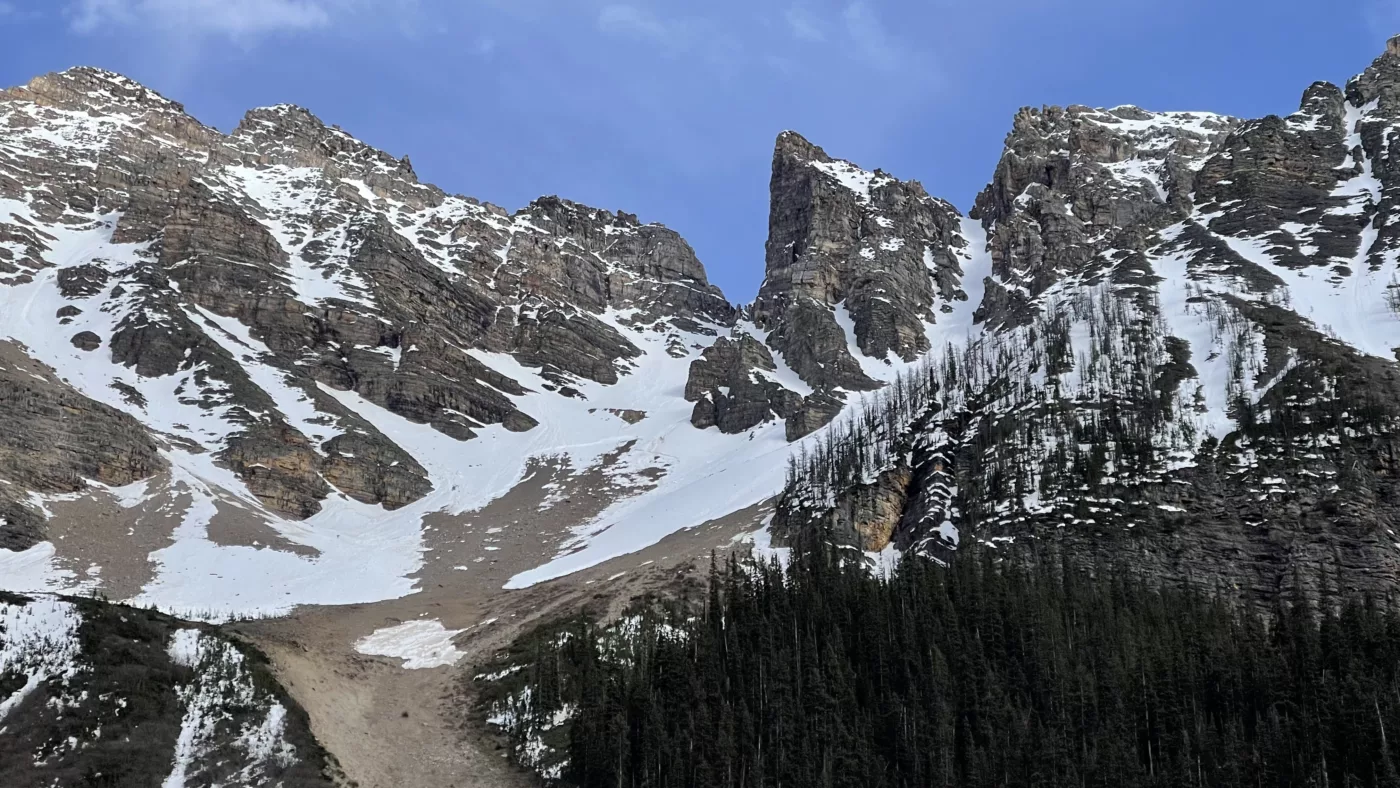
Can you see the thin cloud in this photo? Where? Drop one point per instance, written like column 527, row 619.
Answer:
column 9, row 12
column 634, row 21
column 237, row 19
column 872, row 42
column 694, row 37
column 803, row 25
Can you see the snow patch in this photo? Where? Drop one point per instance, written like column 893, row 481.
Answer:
column 39, row 641
column 420, row 644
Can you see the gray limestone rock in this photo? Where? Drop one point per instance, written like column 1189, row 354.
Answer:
column 858, row 264
column 291, row 250
column 1075, row 182
column 53, row 440
column 879, row 249
column 86, row 340
column 734, row 388
column 1157, row 387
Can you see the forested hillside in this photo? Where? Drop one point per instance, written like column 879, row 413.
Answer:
column 972, row 675
column 1185, row 359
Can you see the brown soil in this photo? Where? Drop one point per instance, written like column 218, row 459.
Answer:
column 84, row 530
column 390, row 727
column 234, row 527
column 396, row 728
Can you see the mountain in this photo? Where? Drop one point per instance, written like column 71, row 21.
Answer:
column 247, row 373
column 1186, row 363
column 283, row 324
column 269, row 373
column 863, row 272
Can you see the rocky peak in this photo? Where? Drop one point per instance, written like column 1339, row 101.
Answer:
column 1379, row 81
column 1187, row 316
column 575, row 216
column 90, row 141
column 92, row 99
column 252, row 273
column 792, row 145
column 848, row 239
column 1073, row 182
column 1323, row 100
column 292, row 136
column 89, row 89
column 860, row 270
column 568, row 253
column 1126, row 149
column 1314, row 187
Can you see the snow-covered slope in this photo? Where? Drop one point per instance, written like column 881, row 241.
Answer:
column 288, row 371
column 1185, row 362
column 313, row 354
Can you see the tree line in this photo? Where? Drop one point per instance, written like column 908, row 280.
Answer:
column 978, row 674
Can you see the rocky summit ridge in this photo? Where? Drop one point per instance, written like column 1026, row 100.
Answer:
column 284, row 324
column 1187, row 363
column 271, row 369
column 1171, row 333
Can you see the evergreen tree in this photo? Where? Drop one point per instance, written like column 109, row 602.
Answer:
column 979, row 674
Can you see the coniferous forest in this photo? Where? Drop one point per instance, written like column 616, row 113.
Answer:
column 980, row 674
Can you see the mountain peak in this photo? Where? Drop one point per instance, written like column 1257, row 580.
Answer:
column 555, row 208
column 276, row 112
column 790, row 143
column 90, row 87
column 293, row 135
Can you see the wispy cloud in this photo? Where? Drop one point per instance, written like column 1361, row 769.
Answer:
column 701, row 38
column 9, row 12
column 635, row 21
column 803, row 25
column 238, row 19
column 872, row 43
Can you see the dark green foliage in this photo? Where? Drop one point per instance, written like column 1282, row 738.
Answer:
column 115, row 722
column 974, row 675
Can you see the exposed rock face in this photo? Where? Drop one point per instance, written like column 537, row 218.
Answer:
column 841, row 237
column 1165, row 335
column 1187, row 361
column 733, row 387
column 1075, row 183
column 54, row 440
column 250, row 289
column 251, row 277
column 860, row 268
column 159, row 152
column 86, row 340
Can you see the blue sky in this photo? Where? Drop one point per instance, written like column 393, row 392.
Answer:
column 669, row 109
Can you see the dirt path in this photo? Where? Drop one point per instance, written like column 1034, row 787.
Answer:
column 396, row 728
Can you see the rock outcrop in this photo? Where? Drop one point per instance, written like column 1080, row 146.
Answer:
column 1075, row 183
column 54, row 441
column 860, row 268
column 733, row 385
column 841, row 238
column 255, row 276
column 1186, row 364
